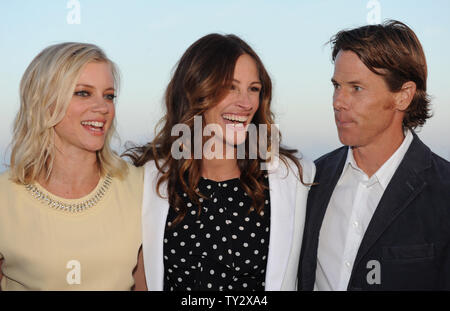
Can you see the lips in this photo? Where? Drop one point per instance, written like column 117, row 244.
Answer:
column 237, row 122
column 94, row 127
column 235, row 117
column 344, row 123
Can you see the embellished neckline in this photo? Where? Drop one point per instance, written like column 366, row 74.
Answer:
column 70, row 205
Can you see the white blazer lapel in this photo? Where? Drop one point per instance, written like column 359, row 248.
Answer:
column 154, row 215
column 282, row 184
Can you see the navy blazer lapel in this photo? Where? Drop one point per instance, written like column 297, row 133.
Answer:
column 405, row 185
column 327, row 176
column 320, row 194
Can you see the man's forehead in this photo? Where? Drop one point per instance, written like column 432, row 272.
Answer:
column 349, row 67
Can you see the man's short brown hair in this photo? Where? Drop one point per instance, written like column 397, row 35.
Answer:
column 393, row 51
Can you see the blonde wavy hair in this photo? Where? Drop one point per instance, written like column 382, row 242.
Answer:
column 46, row 89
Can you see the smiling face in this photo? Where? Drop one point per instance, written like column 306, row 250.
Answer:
column 365, row 109
column 90, row 112
column 236, row 110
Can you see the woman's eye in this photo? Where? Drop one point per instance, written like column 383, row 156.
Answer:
column 82, row 93
column 255, row 89
column 110, row 96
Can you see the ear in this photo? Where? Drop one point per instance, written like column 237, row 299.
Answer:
column 405, row 96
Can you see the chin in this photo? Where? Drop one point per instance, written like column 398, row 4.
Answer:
column 349, row 137
column 347, row 140
column 352, row 141
column 238, row 139
column 94, row 147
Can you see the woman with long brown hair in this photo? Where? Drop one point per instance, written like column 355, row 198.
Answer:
column 222, row 211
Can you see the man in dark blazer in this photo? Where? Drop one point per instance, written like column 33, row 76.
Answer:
column 379, row 217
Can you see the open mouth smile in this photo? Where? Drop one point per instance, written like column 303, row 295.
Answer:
column 237, row 121
column 94, row 127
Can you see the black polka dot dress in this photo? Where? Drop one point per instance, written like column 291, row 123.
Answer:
column 224, row 247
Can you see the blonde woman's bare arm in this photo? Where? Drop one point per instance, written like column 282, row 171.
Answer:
column 1, row 274
column 139, row 274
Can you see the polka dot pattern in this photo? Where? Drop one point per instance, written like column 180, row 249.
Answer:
column 224, row 247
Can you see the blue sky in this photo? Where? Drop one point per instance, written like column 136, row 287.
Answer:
column 146, row 38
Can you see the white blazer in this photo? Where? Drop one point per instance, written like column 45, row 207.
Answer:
column 287, row 216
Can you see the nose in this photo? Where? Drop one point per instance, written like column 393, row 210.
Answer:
column 340, row 100
column 100, row 105
column 244, row 100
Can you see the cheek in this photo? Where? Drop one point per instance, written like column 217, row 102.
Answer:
column 72, row 116
column 110, row 117
column 112, row 112
column 366, row 108
column 207, row 117
column 213, row 115
column 255, row 102
column 66, row 127
column 255, row 105
column 389, row 104
column 74, row 112
column 374, row 115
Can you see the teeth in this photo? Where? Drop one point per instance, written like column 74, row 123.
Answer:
column 233, row 117
column 93, row 123
column 237, row 126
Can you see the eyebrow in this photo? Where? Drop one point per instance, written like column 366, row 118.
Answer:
column 348, row 82
column 93, row 87
column 254, row 82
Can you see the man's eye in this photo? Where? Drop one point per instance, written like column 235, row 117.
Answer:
column 336, row 86
column 357, row 88
column 82, row 93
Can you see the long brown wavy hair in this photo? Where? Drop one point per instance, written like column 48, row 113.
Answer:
column 202, row 78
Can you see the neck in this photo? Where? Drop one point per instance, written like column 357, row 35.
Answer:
column 371, row 157
column 220, row 169
column 73, row 175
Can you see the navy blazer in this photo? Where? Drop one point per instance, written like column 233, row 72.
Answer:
column 409, row 233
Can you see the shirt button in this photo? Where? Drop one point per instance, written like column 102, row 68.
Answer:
column 347, row 263
column 355, row 224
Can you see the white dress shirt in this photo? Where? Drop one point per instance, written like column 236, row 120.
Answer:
column 351, row 207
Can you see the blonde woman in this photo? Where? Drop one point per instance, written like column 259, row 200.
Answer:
column 70, row 207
